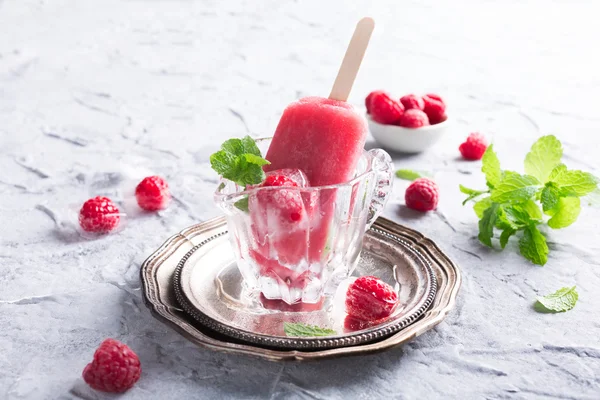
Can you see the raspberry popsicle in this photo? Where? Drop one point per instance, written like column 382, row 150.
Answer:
column 325, row 137
column 322, row 137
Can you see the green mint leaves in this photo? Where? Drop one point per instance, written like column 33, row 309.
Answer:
column 545, row 154
column 481, row 206
column 491, row 167
column 487, row 223
column 565, row 212
column 515, row 204
column 550, row 197
column 411, row 175
column 408, row 174
column 303, row 330
column 515, row 188
column 573, row 183
column 532, row 245
column 242, row 204
column 240, row 161
column 562, row 300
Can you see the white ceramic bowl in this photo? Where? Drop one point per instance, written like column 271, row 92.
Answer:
column 407, row 140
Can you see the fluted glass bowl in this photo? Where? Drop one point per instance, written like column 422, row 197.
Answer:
column 293, row 256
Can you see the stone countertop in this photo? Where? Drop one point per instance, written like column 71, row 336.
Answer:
column 94, row 95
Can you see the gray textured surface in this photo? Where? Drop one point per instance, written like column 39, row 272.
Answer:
column 95, row 93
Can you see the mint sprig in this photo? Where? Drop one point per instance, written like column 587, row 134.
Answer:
column 562, row 300
column 518, row 204
column 240, row 161
column 294, row 329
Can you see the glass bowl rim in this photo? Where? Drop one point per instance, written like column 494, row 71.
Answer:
column 230, row 196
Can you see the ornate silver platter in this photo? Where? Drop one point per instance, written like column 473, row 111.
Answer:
column 209, row 287
column 211, row 311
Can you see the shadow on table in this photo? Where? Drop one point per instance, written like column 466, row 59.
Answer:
column 409, row 214
column 314, row 379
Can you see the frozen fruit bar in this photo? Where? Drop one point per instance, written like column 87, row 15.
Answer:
column 324, row 138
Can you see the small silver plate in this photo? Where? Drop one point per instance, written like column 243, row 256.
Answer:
column 393, row 252
column 209, row 287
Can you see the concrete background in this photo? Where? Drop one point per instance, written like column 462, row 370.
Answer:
column 97, row 94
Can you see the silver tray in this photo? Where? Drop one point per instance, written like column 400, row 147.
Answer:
column 167, row 272
column 209, row 287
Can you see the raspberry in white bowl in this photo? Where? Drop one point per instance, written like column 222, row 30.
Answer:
column 410, row 124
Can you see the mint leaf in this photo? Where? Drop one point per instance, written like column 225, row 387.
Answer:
column 550, row 197
column 533, row 245
column 254, row 159
column 490, row 166
column 507, row 174
column 545, row 154
column 246, row 173
column 518, row 215
column 249, row 146
column 557, row 172
column 471, row 192
column 567, row 211
column 574, row 182
column 466, row 190
column 505, row 235
column 234, row 147
column 515, row 188
column 300, row 330
column 408, row 174
column 486, row 224
column 562, row 300
column 481, row 206
column 505, row 220
column 242, row 204
column 221, row 161
column 239, row 160
column 531, row 208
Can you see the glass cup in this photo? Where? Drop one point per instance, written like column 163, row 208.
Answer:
column 294, row 245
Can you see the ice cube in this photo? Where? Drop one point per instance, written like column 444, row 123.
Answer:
column 294, row 174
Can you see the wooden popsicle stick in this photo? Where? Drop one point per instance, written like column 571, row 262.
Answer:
column 351, row 63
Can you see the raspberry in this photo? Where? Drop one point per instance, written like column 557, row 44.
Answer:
column 411, row 101
column 413, row 118
column 288, row 202
column 369, row 299
column 437, row 119
column 152, row 193
column 279, row 213
column 435, row 108
column 370, row 96
column 474, row 147
column 99, row 215
column 278, row 180
column 422, row 195
column 384, row 109
column 115, row 368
